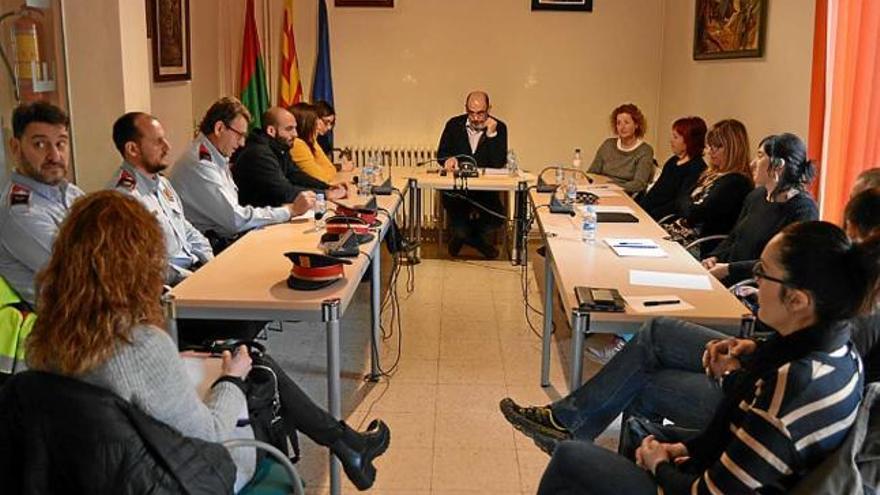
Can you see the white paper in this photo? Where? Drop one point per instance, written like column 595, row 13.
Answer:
column 667, row 279
column 637, row 303
column 614, row 209
column 308, row 215
column 636, row 247
column 496, row 171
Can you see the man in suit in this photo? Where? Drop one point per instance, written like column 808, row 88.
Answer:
column 477, row 137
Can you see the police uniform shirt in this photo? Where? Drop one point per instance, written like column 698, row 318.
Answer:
column 185, row 245
column 30, row 214
column 210, row 197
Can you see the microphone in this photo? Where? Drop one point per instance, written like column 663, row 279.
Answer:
column 566, row 169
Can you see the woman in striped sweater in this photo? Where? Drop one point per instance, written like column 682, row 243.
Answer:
column 785, row 407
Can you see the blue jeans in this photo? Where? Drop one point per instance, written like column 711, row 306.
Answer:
column 582, row 468
column 658, row 374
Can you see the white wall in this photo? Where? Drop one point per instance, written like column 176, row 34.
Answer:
column 769, row 95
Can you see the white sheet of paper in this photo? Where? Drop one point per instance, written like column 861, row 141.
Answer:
column 496, row 171
column 668, row 279
column 636, row 247
column 308, row 215
column 637, row 303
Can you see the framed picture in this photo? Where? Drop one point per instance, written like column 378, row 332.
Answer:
column 168, row 28
column 364, row 3
column 724, row 29
column 576, row 5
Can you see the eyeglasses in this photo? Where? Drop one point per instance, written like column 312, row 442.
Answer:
column 759, row 273
column 481, row 113
column 328, row 121
column 241, row 134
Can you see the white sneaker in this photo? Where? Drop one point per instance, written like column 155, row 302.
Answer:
column 601, row 350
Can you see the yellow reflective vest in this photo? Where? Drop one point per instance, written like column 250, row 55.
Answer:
column 16, row 322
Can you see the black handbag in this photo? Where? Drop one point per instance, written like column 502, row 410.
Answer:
column 264, row 404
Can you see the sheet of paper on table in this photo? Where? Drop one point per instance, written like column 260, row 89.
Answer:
column 636, row 247
column 637, row 303
column 496, row 171
column 668, row 279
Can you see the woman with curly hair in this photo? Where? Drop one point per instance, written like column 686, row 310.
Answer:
column 626, row 159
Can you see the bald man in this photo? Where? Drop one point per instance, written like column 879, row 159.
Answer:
column 264, row 172
column 477, row 136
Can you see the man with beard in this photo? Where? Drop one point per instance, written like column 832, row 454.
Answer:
column 37, row 197
column 140, row 139
column 264, row 172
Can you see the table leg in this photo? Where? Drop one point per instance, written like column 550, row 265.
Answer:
column 375, row 312
column 170, row 317
column 548, row 320
column 580, row 321
column 520, row 221
column 330, row 316
column 417, row 197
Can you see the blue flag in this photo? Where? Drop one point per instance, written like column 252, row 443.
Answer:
column 322, row 89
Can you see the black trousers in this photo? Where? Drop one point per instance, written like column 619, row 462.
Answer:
column 468, row 222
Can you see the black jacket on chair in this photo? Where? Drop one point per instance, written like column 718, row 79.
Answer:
column 491, row 152
column 61, row 435
column 266, row 175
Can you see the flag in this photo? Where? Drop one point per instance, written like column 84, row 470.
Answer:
column 322, row 88
column 290, row 88
column 254, row 94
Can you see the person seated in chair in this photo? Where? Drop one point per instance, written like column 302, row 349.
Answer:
column 626, row 159
column 479, row 139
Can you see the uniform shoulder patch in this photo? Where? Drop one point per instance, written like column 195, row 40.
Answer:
column 204, row 153
column 19, row 195
column 126, row 180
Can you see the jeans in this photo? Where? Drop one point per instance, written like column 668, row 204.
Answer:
column 658, row 374
column 582, row 468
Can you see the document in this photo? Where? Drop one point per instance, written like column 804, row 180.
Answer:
column 636, row 247
column 496, row 171
column 657, row 304
column 668, row 279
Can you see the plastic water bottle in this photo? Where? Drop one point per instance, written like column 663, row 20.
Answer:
column 512, row 166
column 571, row 191
column 560, row 175
column 366, row 179
column 320, row 210
column 576, row 159
column 589, row 224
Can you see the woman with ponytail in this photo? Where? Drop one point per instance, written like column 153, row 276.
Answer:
column 788, row 401
column 782, row 173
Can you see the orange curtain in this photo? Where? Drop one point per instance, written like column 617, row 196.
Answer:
column 852, row 128
column 816, row 136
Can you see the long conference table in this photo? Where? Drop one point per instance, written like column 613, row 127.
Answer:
column 570, row 263
column 248, row 281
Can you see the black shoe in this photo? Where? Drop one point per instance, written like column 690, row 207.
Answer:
column 535, row 423
column 455, row 245
column 356, row 452
column 488, row 251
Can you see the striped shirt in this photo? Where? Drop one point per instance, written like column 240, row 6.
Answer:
column 799, row 413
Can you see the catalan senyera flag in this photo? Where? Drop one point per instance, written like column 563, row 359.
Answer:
column 290, row 88
column 254, row 94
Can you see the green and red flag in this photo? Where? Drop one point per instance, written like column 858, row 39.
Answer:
column 254, row 94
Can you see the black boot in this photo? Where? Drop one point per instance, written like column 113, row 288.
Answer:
column 356, row 451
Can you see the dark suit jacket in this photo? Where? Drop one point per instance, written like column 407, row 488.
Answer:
column 491, row 152
column 266, row 175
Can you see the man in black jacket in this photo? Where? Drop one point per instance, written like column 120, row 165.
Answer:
column 264, row 172
column 479, row 136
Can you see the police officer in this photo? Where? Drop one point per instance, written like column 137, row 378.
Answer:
column 37, row 197
column 202, row 178
column 140, row 139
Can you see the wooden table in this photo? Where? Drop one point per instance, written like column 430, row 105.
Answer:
column 570, row 262
column 248, row 281
column 516, row 183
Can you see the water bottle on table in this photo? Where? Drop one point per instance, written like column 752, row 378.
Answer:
column 320, row 210
column 365, row 181
column 512, row 166
column 589, row 223
column 560, row 175
column 571, row 191
column 576, row 159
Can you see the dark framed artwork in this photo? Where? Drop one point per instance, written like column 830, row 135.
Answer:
column 364, row 3
column 571, row 5
column 168, row 28
column 725, row 29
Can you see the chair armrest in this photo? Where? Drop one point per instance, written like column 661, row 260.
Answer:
column 668, row 218
column 708, row 238
column 295, row 479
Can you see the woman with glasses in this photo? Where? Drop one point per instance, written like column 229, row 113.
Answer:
column 788, row 402
column 306, row 152
column 326, row 123
column 681, row 171
column 626, row 159
column 782, row 172
column 715, row 203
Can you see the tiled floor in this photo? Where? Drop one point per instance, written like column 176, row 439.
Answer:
column 465, row 345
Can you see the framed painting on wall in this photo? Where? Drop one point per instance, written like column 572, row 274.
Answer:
column 573, row 5
column 726, row 29
column 168, row 27
column 364, row 3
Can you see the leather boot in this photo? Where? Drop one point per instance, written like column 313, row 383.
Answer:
column 356, row 451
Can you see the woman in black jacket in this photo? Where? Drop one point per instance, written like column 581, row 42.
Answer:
column 784, row 409
column 782, row 173
column 680, row 172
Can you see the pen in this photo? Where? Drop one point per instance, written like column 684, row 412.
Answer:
column 659, row 303
column 644, row 246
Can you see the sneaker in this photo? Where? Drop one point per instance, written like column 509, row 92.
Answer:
column 601, row 351
column 536, row 423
